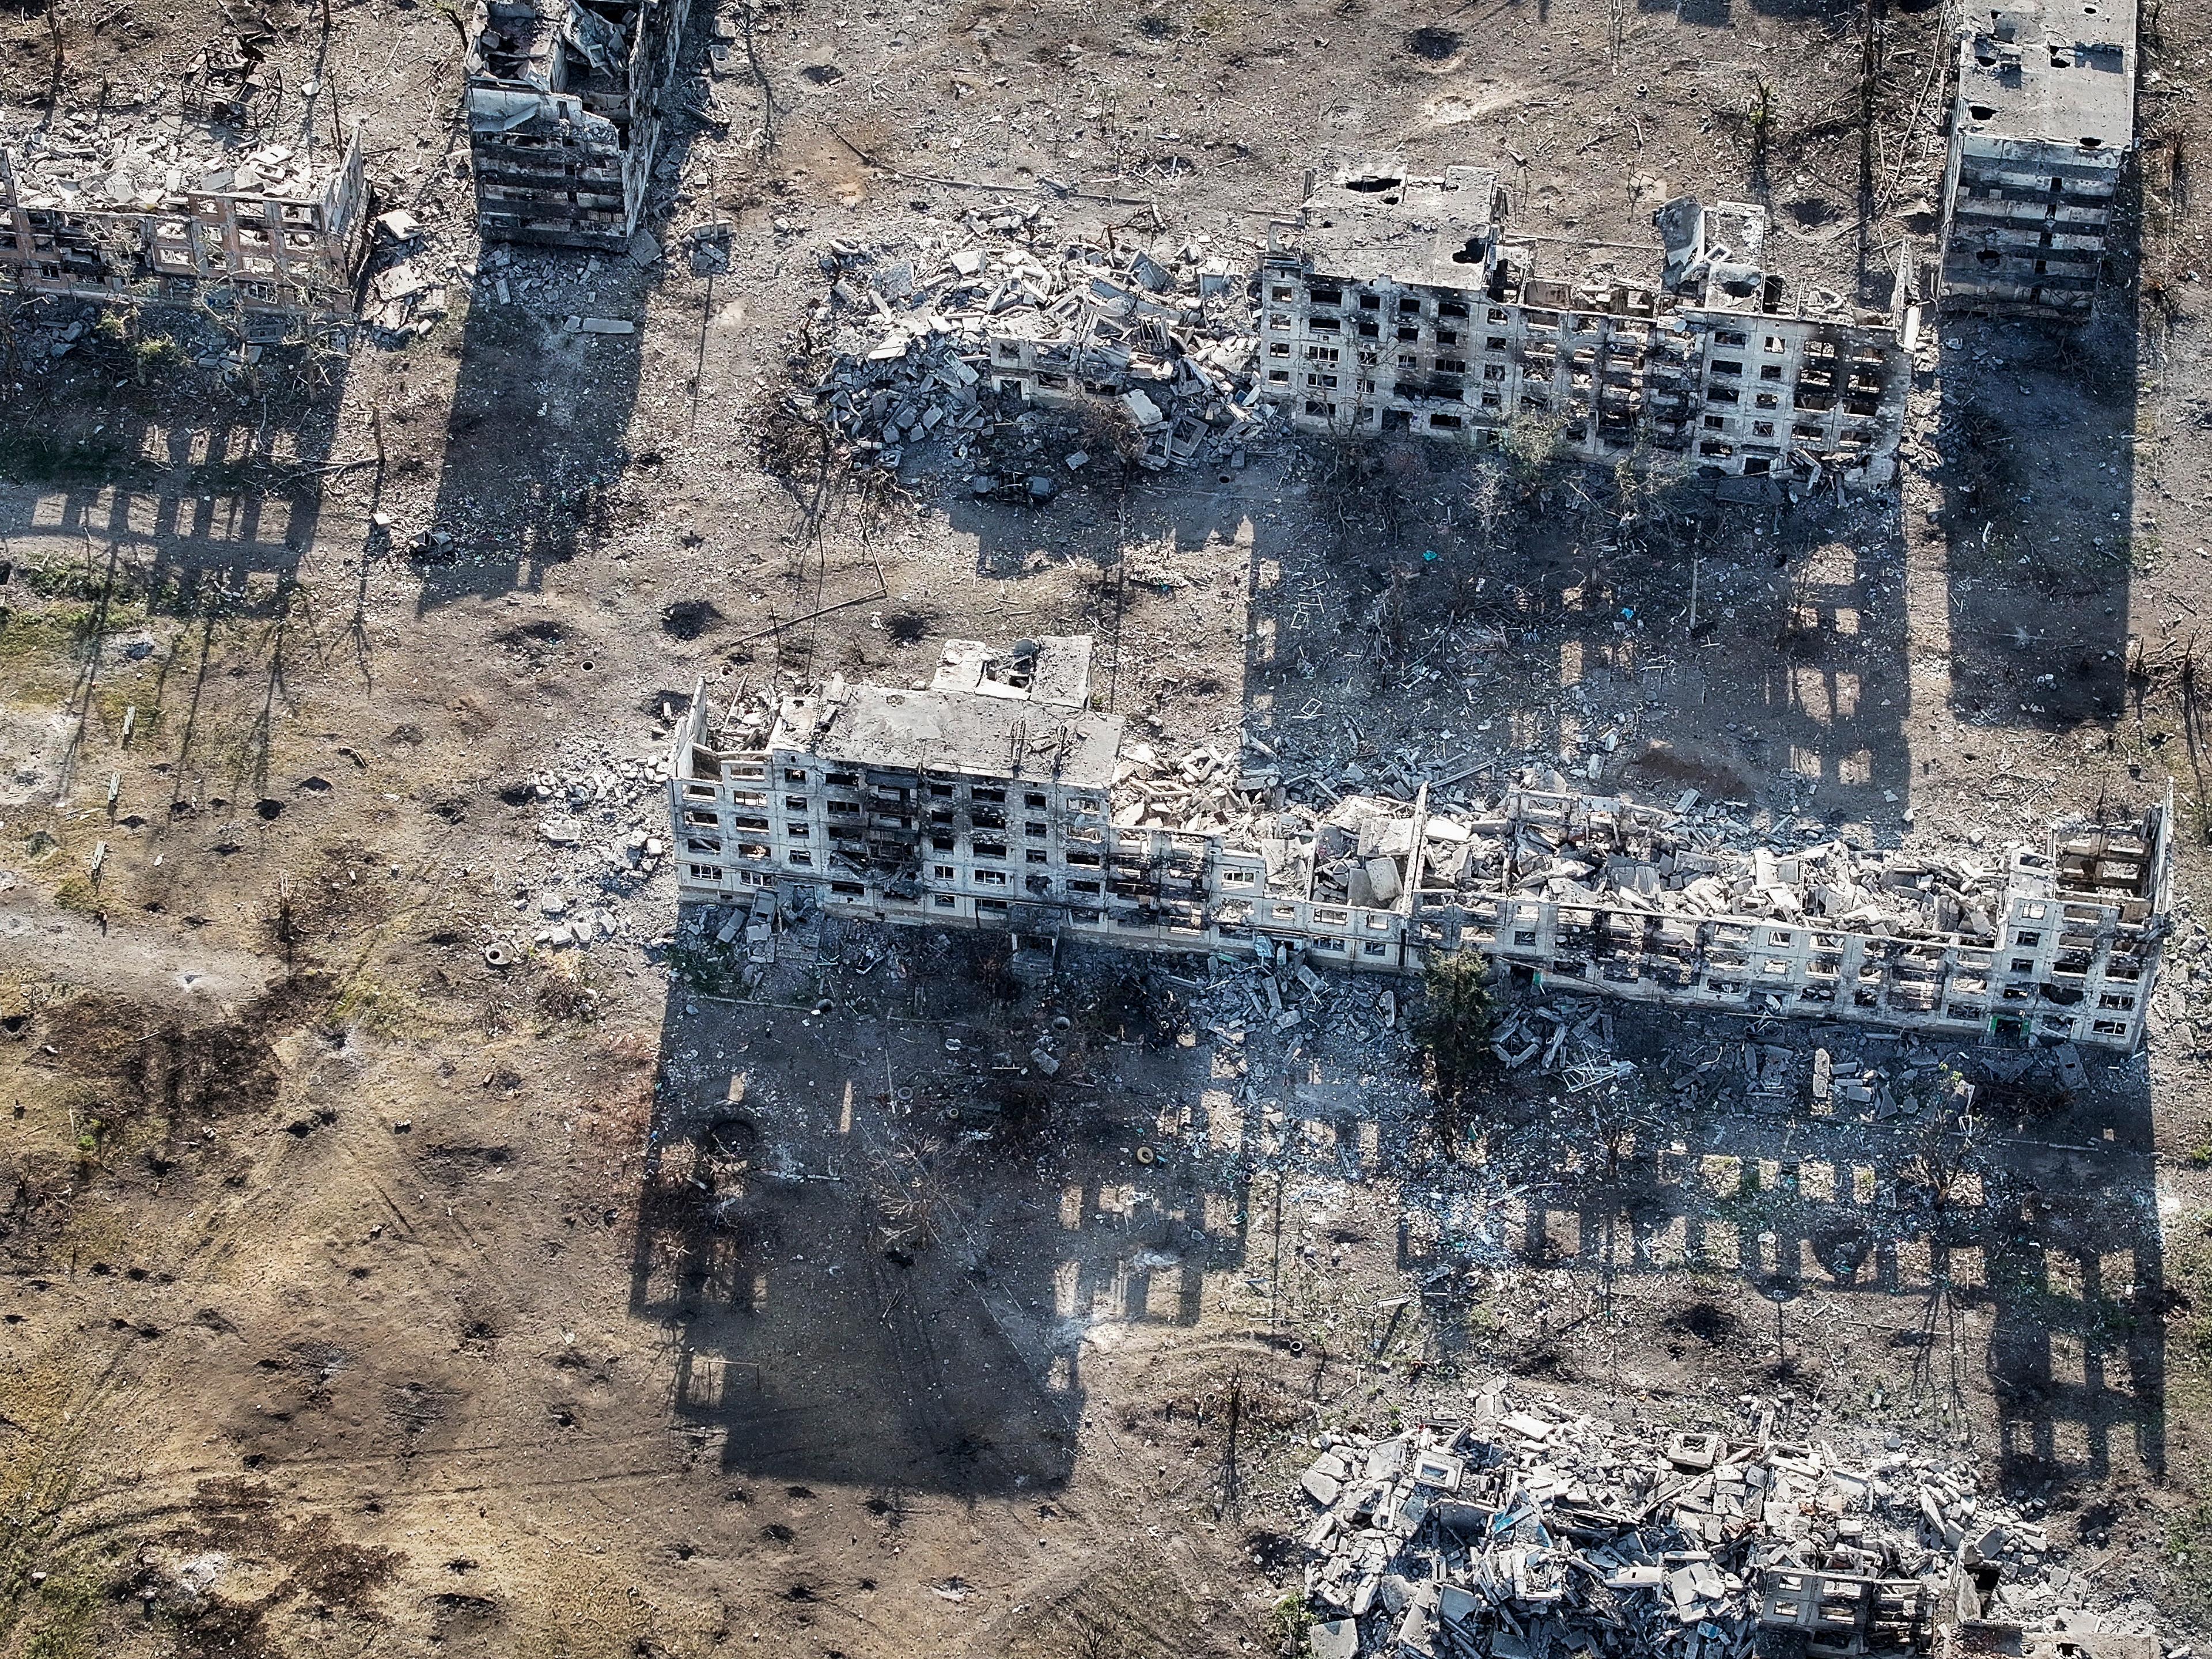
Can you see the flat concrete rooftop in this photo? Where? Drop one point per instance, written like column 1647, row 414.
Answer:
column 2059, row 70
column 1381, row 223
column 968, row 732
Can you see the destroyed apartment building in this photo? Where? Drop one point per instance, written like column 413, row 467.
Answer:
column 1393, row 302
column 997, row 798
column 2040, row 129
column 1518, row 1529
column 915, row 337
column 181, row 205
column 564, row 101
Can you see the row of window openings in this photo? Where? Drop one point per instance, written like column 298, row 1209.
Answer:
column 1442, row 421
column 940, row 789
column 1414, row 306
column 2110, row 1002
column 1865, row 372
column 1775, row 345
column 1409, row 305
column 1446, row 384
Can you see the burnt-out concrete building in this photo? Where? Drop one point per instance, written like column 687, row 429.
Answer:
column 997, row 797
column 171, row 208
column 1396, row 302
column 565, row 102
column 2043, row 123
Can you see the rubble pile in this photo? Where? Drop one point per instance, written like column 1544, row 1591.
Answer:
column 576, row 797
column 1903, row 896
column 1523, row 1530
column 600, row 820
column 1358, row 851
column 231, row 80
column 52, row 333
column 1574, row 1041
column 922, row 336
column 87, row 162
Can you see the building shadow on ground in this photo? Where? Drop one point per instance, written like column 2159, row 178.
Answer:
column 881, row 1240
column 196, row 511
column 536, row 440
column 2038, row 515
column 887, row 1262
column 2029, row 1268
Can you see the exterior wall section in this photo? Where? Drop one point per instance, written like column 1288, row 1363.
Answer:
column 2041, row 126
column 562, row 144
column 272, row 255
column 1616, row 372
column 2074, row 956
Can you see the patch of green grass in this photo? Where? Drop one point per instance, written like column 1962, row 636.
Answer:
column 2186, row 1544
column 41, row 1399
column 2186, row 1539
column 2188, row 1273
column 50, row 640
column 376, row 1008
column 67, row 1613
column 78, row 894
column 1293, row 1622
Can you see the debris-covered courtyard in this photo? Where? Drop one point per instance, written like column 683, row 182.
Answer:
column 997, row 830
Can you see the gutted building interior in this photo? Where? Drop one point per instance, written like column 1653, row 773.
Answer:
column 564, row 103
column 996, row 797
column 179, row 207
column 1396, row 302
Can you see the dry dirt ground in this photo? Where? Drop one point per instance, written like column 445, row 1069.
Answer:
column 359, row 1296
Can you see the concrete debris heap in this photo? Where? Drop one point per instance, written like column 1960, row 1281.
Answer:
column 1522, row 1530
column 146, row 207
column 996, row 796
column 2044, row 121
column 919, row 335
column 1394, row 302
column 564, row 101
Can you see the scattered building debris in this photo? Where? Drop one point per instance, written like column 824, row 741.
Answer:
column 565, row 102
column 918, row 338
column 1521, row 1528
column 156, row 208
column 231, row 81
column 1708, row 369
column 2042, row 127
column 997, row 797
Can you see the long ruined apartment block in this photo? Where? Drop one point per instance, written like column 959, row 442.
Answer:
column 2044, row 120
column 1398, row 303
column 173, row 208
column 996, row 797
column 564, row 100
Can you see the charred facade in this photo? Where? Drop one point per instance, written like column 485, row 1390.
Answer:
column 1394, row 302
column 565, row 102
column 997, row 797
